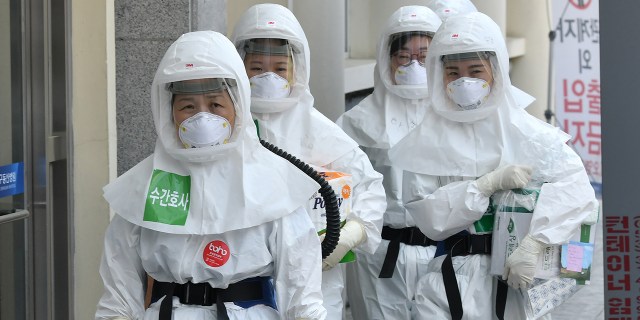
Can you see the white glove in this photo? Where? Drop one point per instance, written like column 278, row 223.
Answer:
column 351, row 235
column 505, row 178
column 521, row 264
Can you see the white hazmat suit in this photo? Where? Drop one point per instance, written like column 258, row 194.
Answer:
column 452, row 147
column 293, row 124
column 377, row 123
column 242, row 208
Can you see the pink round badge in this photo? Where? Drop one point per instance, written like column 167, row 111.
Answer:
column 216, row 253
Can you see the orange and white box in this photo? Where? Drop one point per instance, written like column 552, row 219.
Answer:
column 342, row 186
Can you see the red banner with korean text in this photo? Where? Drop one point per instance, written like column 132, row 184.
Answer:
column 621, row 265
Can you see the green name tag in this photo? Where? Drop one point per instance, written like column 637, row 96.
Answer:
column 168, row 198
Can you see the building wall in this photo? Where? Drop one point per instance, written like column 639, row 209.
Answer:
column 530, row 20
column 92, row 116
column 143, row 32
column 326, row 38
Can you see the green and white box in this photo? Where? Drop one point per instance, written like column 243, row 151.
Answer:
column 514, row 209
column 510, row 228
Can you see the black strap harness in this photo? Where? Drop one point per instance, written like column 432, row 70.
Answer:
column 203, row 294
column 462, row 245
column 410, row 236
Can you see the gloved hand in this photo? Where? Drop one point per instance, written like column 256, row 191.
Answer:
column 521, row 264
column 351, row 235
column 504, row 178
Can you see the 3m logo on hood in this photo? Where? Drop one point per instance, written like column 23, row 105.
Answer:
column 409, row 16
column 271, row 23
column 188, row 65
column 455, row 36
column 168, row 198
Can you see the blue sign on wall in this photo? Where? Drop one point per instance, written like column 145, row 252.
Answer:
column 11, row 179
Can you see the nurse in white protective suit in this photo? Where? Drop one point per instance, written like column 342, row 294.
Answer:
column 276, row 56
column 382, row 285
column 449, row 8
column 217, row 220
column 475, row 141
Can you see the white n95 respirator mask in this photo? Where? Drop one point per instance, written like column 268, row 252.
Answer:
column 204, row 129
column 468, row 93
column 411, row 74
column 269, row 85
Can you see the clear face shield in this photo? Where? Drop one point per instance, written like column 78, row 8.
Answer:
column 407, row 55
column 468, row 78
column 269, row 66
column 203, row 111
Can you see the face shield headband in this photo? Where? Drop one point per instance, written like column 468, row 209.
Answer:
column 200, row 86
column 270, row 67
column 270, row 47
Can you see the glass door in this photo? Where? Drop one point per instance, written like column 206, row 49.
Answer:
column 13, row 183
column 35, row 219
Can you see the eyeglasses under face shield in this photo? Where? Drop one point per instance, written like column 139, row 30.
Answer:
column 405, row 47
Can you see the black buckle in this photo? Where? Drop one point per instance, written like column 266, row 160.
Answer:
column 469, row 242
column 197, row 294
column 462, row 245
column 417, row 238
column 480, row 244
column 410, row 240
column 458, row 245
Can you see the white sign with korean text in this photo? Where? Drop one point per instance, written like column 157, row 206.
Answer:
column 576, row 67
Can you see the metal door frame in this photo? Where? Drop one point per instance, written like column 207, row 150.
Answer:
column 48, row 232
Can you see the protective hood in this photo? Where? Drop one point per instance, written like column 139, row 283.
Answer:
column 291, row 123
column 408, row 18
column 219, row 188
column 452, row 142
column 473, row 32
column 448, row 8
column 391, row 111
